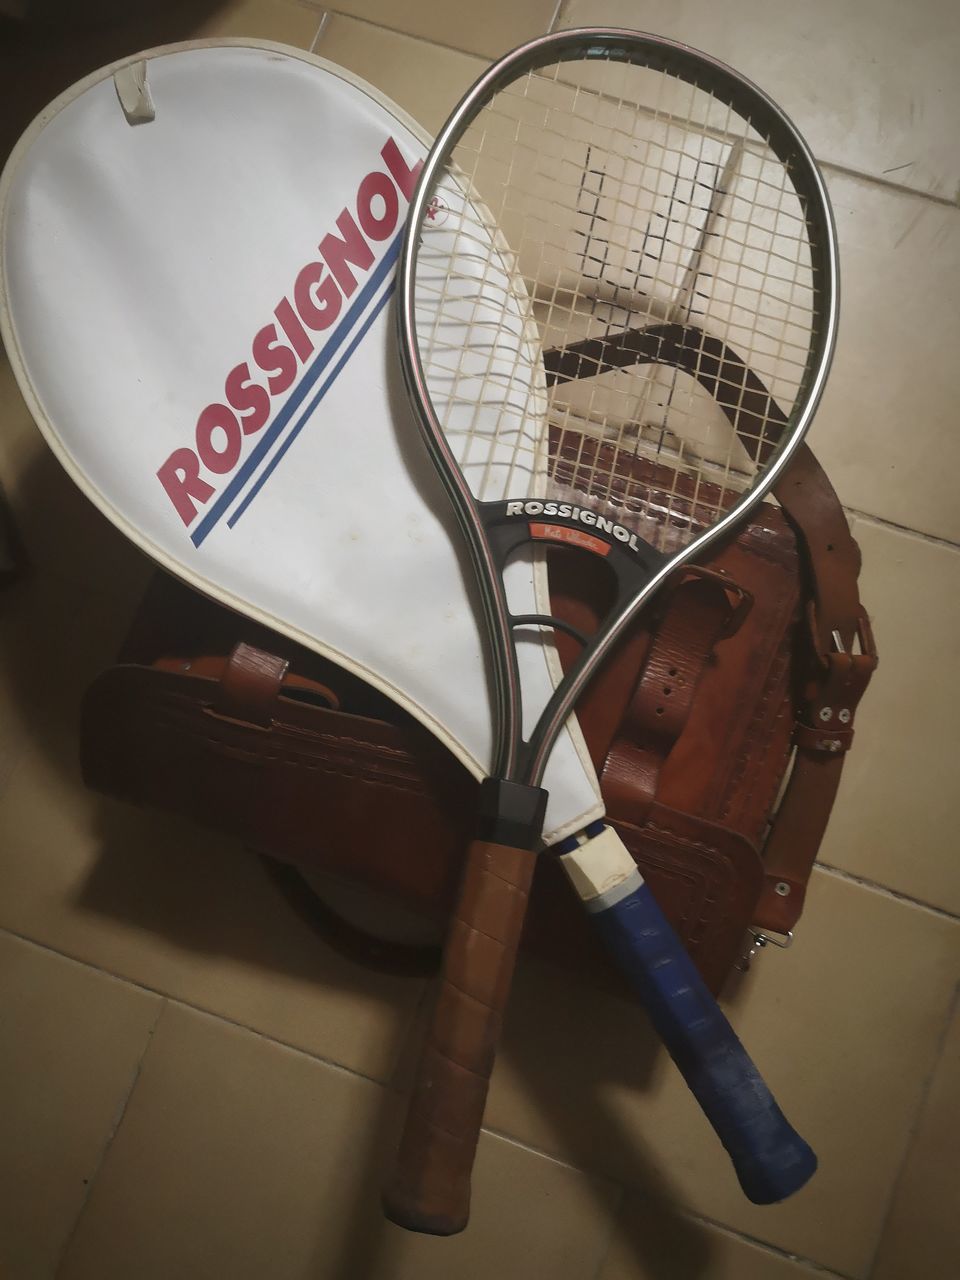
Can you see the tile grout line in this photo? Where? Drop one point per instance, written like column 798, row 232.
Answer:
column 901, row 188
column 397, row 31
column 811, row 1264
column 318, row 34
column 884, row 523
column 597, row 1174
column 557, row 15
column 118, row 1119
column 952, row 1011
column 195, row 1008
column 865, row 883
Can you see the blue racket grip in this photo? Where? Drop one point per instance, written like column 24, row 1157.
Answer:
column 771, row 1160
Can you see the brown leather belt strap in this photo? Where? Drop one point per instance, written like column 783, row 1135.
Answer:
column 824, row 735
column 250, row 685
column 702, row 607
column 833, row 558
column 248, row 682
column 836, row 623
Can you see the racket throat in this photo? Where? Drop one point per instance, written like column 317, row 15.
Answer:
column 511, row 813
column 509, row 525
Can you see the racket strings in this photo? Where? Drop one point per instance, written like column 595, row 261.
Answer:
column 576, row 216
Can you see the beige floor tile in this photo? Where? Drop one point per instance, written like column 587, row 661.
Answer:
column 885, row 431
column 181, row 911
column 892, row 821
column 423, row 79
column 489, row 30
column 71, row 1040
column 240, row 1158
column 844, row 1027
column 286, row 21
column 922, row 1234
column 649, row 1244
column 871, row 83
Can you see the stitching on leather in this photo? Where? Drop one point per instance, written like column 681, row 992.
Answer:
column 777, row 683
column 698, row 919
column 751, row 736
column 403, row 783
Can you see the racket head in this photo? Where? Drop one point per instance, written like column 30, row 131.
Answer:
column 658, row 241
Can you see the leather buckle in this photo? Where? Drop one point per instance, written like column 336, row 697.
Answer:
column 833, row 696
column 739, row 599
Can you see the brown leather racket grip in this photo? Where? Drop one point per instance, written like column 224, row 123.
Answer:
column 430, row 1191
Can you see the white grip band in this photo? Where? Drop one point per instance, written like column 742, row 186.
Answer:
column 601, row 870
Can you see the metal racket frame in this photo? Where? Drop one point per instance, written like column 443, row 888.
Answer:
column 515, row 759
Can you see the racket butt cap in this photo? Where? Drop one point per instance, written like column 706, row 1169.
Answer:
column 763, row 1184
column 403, row 1212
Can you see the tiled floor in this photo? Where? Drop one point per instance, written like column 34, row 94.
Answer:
column 193, row 1086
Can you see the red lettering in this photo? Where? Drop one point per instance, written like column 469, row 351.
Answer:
column 278, row 349
column 403, row 176
column 318, row 303
column 213, row 419
column 300, row 340
column 249, row 398
column 274, row 359
column 348, row 248
column 377, row 184
column 180, row 476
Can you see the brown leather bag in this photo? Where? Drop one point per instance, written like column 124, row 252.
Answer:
column 740, row 684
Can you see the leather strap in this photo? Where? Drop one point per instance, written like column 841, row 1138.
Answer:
column 249, row 685
column 250, row 680
column 835, row 623
column 832, row 556
column 823, row 737
column 701, row 608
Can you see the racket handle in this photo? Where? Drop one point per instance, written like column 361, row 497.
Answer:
column 771, row 1160
column 430, row 1190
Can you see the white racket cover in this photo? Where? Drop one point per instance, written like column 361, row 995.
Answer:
column 197, row 255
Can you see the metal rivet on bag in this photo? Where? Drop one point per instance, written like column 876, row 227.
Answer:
column 844, row 715
column 826, row 713
column 782, row 888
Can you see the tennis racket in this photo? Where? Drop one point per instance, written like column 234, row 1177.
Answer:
column 618, row 304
